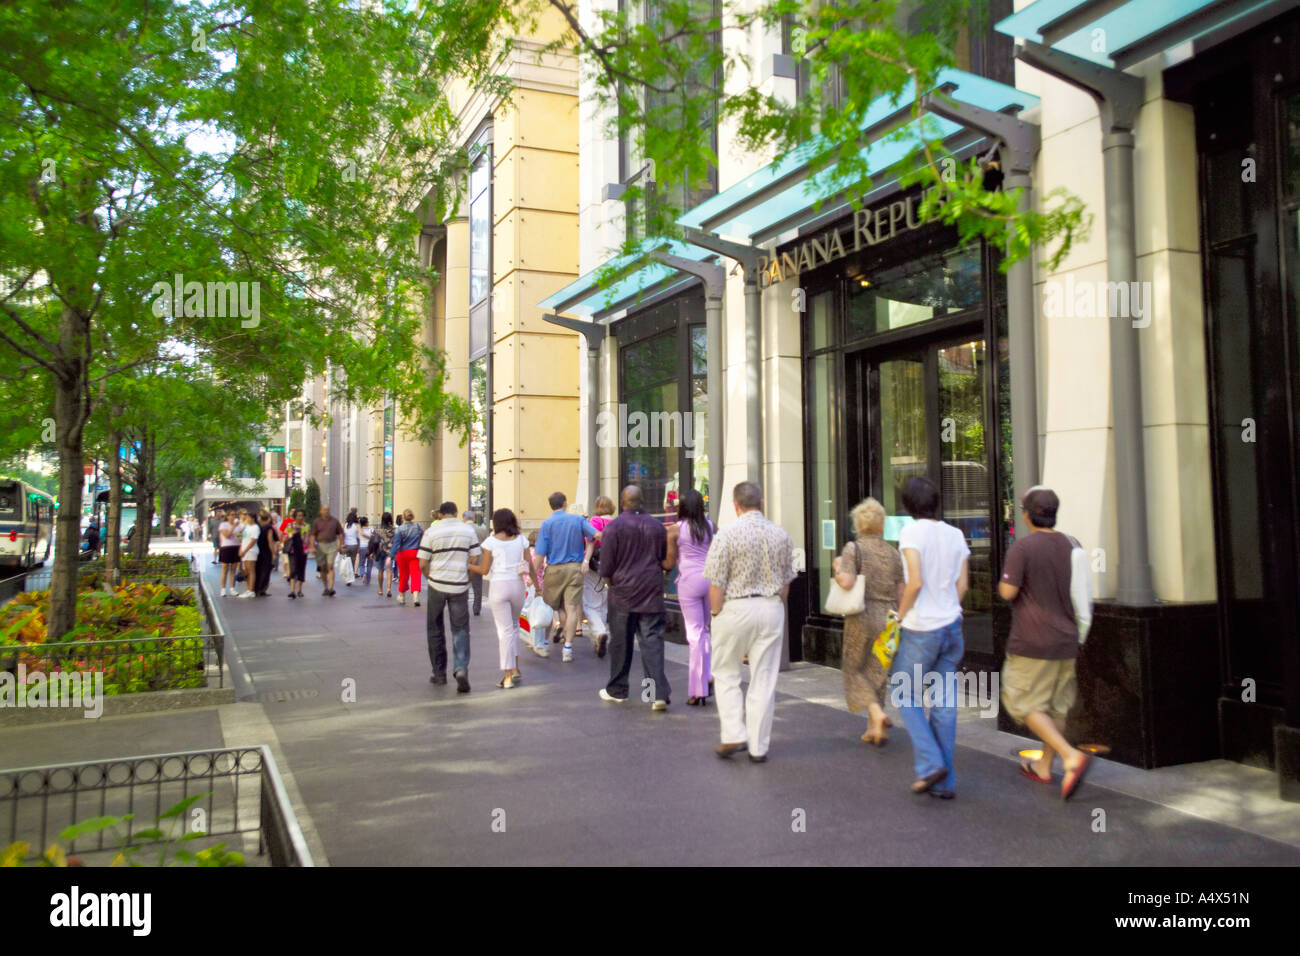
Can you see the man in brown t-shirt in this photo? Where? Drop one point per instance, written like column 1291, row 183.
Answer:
column 324, row 536
column 1038, row 679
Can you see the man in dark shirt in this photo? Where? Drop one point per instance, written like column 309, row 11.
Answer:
column 324, row 536
column 633, row 557
column 1038, row 679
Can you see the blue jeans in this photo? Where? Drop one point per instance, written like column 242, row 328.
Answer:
column 457, row 606
column 934, row 735
column 363, row 568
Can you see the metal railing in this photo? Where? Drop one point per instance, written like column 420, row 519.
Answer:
column 245, row 796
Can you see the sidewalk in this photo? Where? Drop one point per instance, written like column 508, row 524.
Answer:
column 413, row 773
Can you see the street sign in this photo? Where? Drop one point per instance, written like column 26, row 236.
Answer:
column 273, row 448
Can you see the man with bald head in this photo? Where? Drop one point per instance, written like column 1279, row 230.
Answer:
column 633, row 557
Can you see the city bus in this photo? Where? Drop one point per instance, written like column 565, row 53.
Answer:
column 26, row 524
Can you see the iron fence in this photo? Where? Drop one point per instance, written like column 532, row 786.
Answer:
column 242, row 795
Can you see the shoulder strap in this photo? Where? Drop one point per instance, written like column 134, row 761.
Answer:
column 857, row 557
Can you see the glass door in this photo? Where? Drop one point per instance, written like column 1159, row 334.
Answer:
column 925, row 414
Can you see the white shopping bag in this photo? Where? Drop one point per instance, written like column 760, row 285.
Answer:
column 343, row 568
column 539, row 614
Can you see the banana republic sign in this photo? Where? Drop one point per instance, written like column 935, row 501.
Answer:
column 869, row 227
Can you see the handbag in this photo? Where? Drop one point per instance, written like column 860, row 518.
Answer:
column 886, row 643
column 844, row 603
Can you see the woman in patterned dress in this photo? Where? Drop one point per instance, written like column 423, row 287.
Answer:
column 881, row 564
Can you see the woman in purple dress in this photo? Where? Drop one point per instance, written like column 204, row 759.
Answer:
column 689, row 540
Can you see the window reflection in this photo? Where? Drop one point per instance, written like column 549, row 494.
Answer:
column 914, row 292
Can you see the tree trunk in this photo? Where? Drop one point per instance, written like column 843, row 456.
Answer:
column 113, row 551
column 145, row 492
column 70, row 414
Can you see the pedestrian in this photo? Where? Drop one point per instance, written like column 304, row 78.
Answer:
column 268, row 545
column 228, row 540
column 406, row 555
column 869, row 555
column 749, row 569
column 936, row 563
column 365, row 534
column 286, row 565
column 214, row 522
column 689, row 538
column 475, row 580
column 383, row 544
column 352, row 542
column 295, row 551
column 444, row 553
column 1038, row 678
column 634, row 553
column 248, row 553
column 324, row 538
column 564, row 542
column 505, row 551
column 595, row 594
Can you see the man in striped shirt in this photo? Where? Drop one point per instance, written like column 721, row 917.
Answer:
column 445, row 551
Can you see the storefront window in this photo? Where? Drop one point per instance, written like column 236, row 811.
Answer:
column 480, row 452
column 914, row 292
column 824, row 468
column 653, row 421
column 480, row 224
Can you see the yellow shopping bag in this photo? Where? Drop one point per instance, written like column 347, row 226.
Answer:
column 886, row 644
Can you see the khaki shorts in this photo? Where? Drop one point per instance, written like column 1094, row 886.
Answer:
column 325, row 551
column 1030, row 684
column 563, row 582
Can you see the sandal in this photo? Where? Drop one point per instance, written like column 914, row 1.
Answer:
column 1073, row 778
column 1026, row 770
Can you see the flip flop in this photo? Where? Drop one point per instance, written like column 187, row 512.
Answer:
column 1028, row 771
column 1073, row 778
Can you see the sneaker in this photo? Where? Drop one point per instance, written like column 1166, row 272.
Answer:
column 659, row 706
column 541, row 651
column 462, row 682
column 223, row 592
column 417, row 602
column 606, row 695
column 248, row 594
column 401, row 599
column 567, row 656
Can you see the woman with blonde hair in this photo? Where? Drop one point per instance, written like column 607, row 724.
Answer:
column 869, row 555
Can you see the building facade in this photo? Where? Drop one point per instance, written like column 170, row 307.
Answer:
column 1151, row 378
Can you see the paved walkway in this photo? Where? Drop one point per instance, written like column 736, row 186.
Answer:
column 413, row 773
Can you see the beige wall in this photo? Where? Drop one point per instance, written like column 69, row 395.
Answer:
column 1075, row 416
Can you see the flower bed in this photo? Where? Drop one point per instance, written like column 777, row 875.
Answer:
column 141, row 637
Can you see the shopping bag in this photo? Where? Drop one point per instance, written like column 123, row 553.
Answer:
column 343, row 568
column 886, row 643
column 539, row 614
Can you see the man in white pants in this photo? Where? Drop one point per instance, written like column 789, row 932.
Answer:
column 749, row 569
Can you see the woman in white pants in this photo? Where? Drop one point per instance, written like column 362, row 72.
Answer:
column 595, row 590
column 503, row 553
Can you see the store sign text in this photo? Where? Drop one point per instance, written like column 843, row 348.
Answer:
column 870, row 226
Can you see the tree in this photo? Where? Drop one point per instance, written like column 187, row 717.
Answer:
column 311, row 500
column 168, row 183
column 296, row 500
column 663, row 79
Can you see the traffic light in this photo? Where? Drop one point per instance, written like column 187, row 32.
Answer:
column 128, row 489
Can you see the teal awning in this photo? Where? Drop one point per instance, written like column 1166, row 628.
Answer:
column 635, row 282
column 788, row 194
column 1120, row 33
